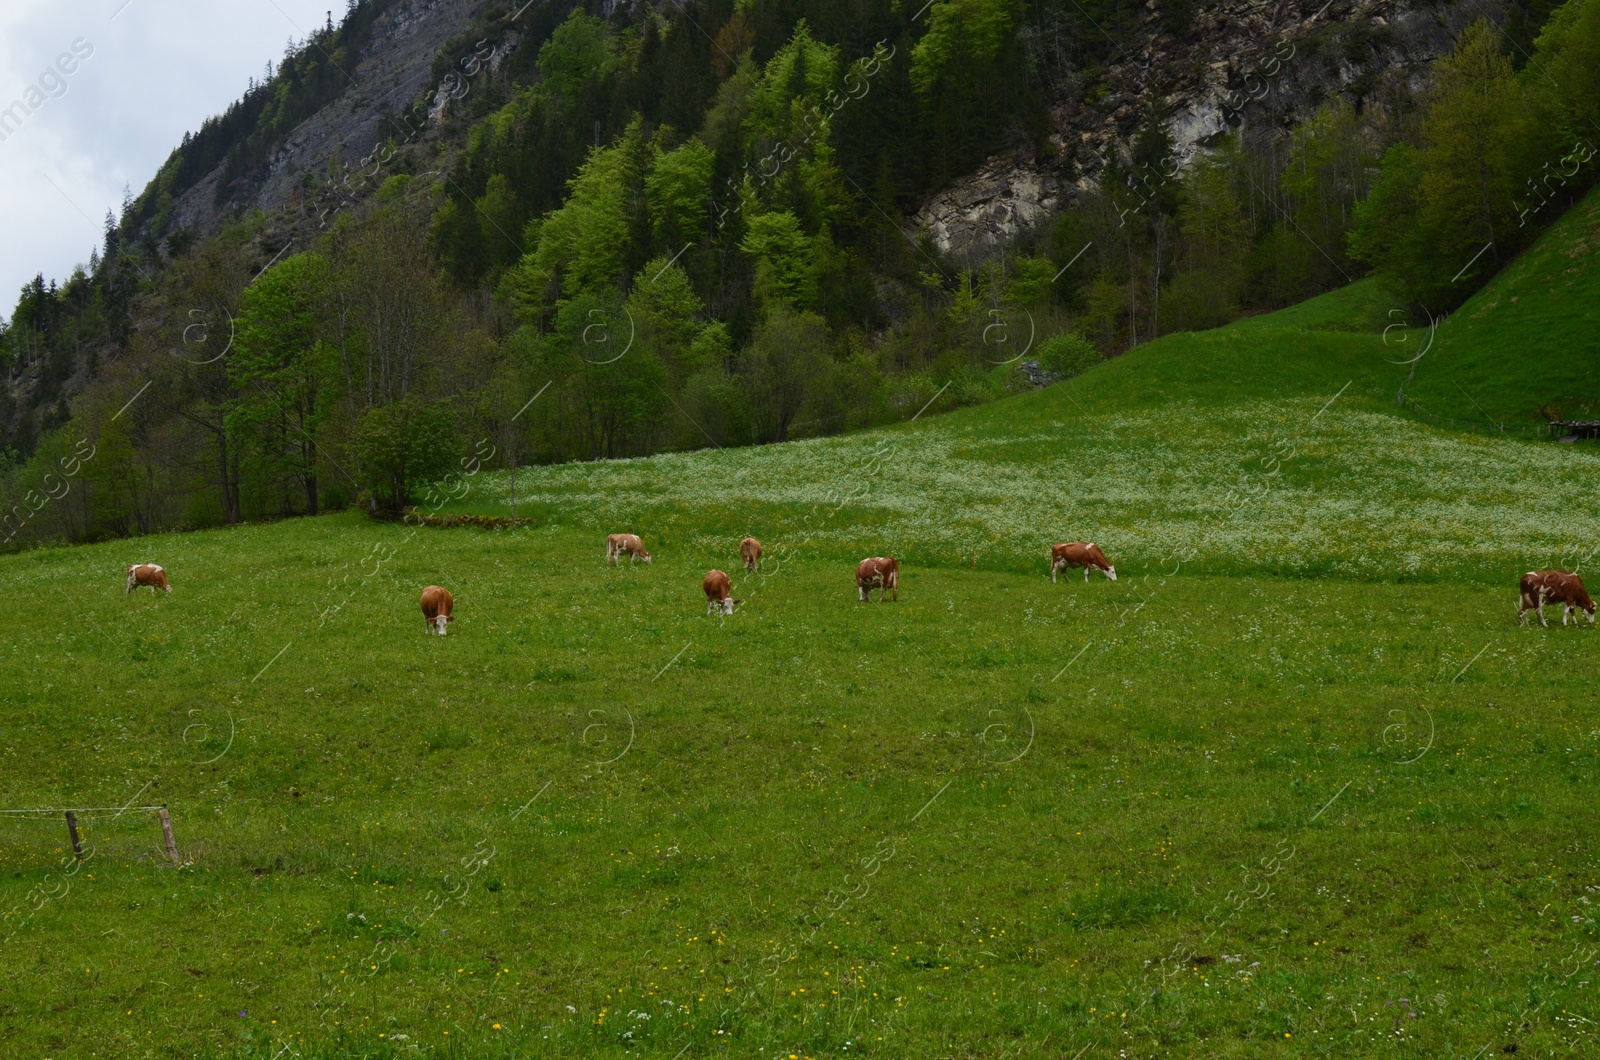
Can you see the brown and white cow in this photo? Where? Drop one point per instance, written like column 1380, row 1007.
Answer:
column 881, row 573
column 147, row 574
column 437, row 603
column 1085, row 554
column 719, row 594
column 619, row 545
column 750, row 552
column 1553, row 587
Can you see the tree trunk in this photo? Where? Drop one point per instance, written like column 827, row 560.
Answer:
column 230, row 485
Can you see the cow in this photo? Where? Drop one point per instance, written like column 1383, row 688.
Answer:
column 881, row 573
column 619, row 545
column 750, row 552
column 147, row 574
column 437, row 603
column 1085, row 554
column 719, row 595
column 1553, row 586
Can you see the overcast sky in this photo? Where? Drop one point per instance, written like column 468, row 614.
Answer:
column 158, row 68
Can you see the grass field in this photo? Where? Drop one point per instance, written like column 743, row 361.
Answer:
column 1210, row 809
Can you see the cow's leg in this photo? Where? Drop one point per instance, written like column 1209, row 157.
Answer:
column 1086, row 575
column 1542, row 622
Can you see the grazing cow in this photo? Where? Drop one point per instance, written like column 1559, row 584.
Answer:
column 881, row 573
column 619, row 545
column 1085, row 554
column 147, row 574
column 750, row 552
column 437, row 603
column 1554, row 586
column 719, row 594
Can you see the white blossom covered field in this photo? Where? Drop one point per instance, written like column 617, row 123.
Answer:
column 1294, row 485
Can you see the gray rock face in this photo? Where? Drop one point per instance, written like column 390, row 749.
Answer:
column 391, row 73
column 1245, row 63
column 979, row 217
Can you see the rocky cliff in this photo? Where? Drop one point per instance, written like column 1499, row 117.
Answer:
column 393, row 71
column 1254, row 65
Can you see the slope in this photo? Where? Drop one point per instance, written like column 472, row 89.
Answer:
column 1527, row 341
column 1272, row 445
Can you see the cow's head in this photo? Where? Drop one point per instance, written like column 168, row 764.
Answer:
column 644, row 556
column 440, row 621
column 1111, row 573
column 728, row 604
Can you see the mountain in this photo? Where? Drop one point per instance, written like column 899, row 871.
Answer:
column 614, row 231
column 382, row 70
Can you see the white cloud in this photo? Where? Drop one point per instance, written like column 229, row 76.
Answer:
column 159, row 68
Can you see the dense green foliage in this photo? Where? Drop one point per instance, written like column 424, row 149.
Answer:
column 1199, row 811
column 1500, row 151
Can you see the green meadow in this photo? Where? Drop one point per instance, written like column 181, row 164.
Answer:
column 1296, row 784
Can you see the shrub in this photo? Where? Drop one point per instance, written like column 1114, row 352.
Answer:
column 1068, row 354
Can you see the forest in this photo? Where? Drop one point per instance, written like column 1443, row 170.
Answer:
column 688, row 228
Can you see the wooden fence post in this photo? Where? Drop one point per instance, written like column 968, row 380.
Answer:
column 166, row 832
column 72, row 830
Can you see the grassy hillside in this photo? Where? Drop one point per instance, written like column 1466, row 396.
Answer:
column 1198, row 811
column 1269, row 446
column 1530, row 338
